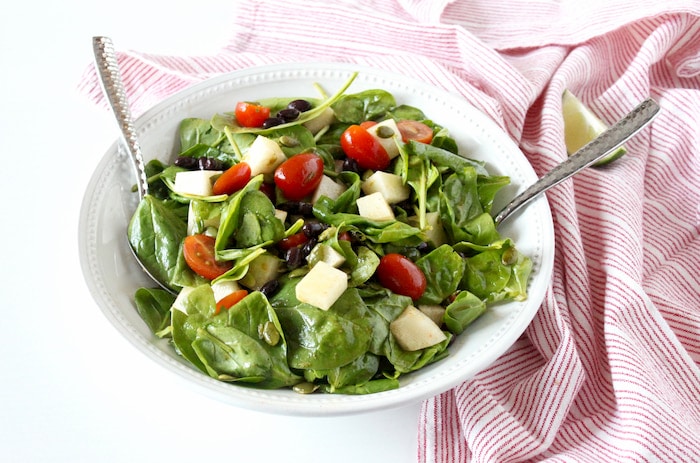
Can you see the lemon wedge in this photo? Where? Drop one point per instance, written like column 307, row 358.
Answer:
column 581, row 126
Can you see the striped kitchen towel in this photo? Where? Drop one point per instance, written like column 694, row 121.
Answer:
column 609, row 369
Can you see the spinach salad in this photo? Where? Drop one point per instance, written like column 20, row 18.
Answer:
column 331, row 243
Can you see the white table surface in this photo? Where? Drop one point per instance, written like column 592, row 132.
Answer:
column 72, row 389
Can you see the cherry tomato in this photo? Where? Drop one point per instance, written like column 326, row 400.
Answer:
column 399, row 274
column 414, row 130
column 230, row 300
column 251, row 114
column 199, row 254
column 232, row 180
column 360, row 145
column 299, row 175
column 292, row 241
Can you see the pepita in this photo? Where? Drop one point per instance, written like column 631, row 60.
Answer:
column 385, row 132
column 270, row 333
column 304, row 388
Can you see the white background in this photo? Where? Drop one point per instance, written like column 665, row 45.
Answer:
column 72, row 390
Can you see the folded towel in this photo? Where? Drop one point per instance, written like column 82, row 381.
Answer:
column 609, row 368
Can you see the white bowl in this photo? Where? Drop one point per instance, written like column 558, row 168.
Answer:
column 113, row 275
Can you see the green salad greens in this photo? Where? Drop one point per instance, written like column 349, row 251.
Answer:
column 367, row 277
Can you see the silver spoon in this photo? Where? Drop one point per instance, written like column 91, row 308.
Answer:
column 600, row 147
column 113, row 88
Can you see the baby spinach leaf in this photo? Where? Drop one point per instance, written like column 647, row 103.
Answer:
column 498, row 273
column 367, row 105
column 443, row 269
column 153, row 305
column 461, row 312
column 359, row 371
column 257, row 222
column 196, row 131
column 319, row 339
column 444, row 158
column 156, row 232
column 370, row 387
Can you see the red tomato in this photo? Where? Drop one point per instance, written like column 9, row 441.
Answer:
column 299, row 175
column 232, row 180
column 360, row 145
column 399, row 274
column 251, row 114
column 292, row 241
column 414, row 130
column 199, row 254
column 230, row 300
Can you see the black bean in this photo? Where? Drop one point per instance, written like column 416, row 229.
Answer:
column 297, row 207
column 272, row 122
column 349, row 164
column 270, row 288
column 300, row 105
column 308, row 246
column 187, row 162
column 313, row 229
column 288, row 114
column 294, row 257
column 306, row 209
column 204, row 163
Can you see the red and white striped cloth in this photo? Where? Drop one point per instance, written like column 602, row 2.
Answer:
column 609, row 369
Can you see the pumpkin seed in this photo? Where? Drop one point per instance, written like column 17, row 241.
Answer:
column 385, row 132
column 304, row 388
column 270, row 333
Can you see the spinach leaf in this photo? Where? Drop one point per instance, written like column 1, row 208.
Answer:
column 230, row 214
column 461, row 312
column 370, row 387
column 196, row 308
column 366, row 264
column 407, row 112
column 196, row 131
column 156, row 232
column 359, row 371
column 405, row 361
column 499, row 272
column 444, row 158
column 443, row 269
column 321, row 339
column 229, row 345
column 363, row 106
column 153, row 305
column 257, row 223
column 487, row 187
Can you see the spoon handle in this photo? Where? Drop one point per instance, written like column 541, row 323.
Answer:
column 110, row 77
column 604, row 144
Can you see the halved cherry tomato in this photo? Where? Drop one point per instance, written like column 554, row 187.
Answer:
column 415, row 130
column 360, row 145
column 299, row 175
column 230, row 300
column 292, row 241
column 251, row 114
column 199, row 254
column 399, row 274
column 233, row 179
